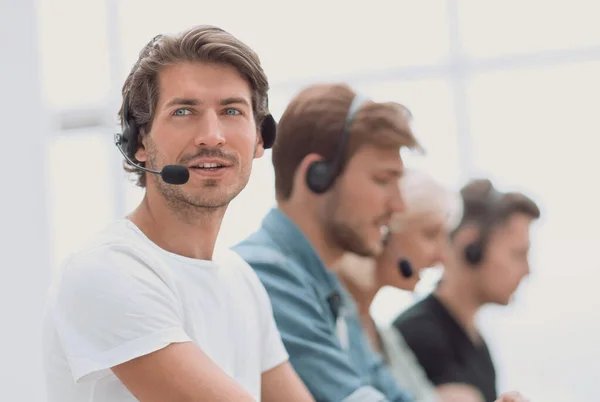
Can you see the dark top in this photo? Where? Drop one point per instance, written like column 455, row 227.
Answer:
column 444, row 349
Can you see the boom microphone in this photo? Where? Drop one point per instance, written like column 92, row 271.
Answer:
column 405, row 268
column 171, row 174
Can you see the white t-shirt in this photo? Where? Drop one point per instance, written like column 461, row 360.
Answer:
column 122, row 297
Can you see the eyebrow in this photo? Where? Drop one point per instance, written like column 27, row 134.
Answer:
column 234, row 100
column 392, row 172
column 182, row 102
column 194, row 102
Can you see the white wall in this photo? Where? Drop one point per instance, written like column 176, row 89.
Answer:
column 23, row 228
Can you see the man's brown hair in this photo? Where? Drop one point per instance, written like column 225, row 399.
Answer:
column 314, row 121
column 486, row 208
column 202, row 43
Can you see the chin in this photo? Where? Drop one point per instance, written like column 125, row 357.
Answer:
column 408, row 286
column 503, row 302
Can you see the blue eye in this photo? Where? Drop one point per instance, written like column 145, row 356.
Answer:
column 232, row 112
column 182, row 112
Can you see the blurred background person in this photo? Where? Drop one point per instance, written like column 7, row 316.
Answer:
column 337, row 161
column 487, row 260
column 417, row 240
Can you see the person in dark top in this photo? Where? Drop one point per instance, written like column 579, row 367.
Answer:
column 487, row 259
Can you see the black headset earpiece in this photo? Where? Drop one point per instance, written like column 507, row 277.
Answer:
column 268, row 130
column 320, row 175
column 128, row 139
column 474, row 253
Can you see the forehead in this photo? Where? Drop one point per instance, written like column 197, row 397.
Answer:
column 432, row 218
column 515, row 229
column 202, row 81
column 372, row 158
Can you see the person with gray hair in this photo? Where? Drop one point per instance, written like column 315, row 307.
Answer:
column 419, row 235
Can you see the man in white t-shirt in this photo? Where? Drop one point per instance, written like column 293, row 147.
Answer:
column 145, row 311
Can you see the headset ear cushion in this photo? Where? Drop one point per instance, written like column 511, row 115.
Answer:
column 318, row 177
column 268, row 130
column 130, row 139
column 474, row 253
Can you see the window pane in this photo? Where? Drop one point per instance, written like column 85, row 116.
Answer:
column 80, row 190
column 518, row 114
column 495, row 28
column 432, row 105
column 537, row 129
column 303, row 42
column 74, row 51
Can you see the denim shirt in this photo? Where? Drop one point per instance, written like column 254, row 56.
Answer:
column 316, row 317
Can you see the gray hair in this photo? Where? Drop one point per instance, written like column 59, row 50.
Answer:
column 424, row 194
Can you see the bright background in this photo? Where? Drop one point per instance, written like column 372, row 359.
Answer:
column 509, row 90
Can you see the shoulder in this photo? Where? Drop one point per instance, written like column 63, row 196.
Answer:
column 259, row 248
column 419, row 325
column 269, row 261
column 116, row 263
column 420, row 312
column 111, row 252
column 230, row 260
column 120, row 239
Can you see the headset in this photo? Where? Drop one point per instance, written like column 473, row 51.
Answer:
column 321, row 174
column 474, row 251
column 128, row 140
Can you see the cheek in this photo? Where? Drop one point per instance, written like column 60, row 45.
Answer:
column 364, row 198
column 418, row 251
column 502, row 277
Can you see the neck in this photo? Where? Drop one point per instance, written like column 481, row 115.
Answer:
column 363, row 298
column 313, row 230
column 462, row 303
column 180, row 229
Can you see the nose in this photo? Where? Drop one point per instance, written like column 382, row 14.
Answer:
column 209, row 132
column 397, row 203
column 527, row 269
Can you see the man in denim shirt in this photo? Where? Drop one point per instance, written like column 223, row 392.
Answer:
column 337, row 164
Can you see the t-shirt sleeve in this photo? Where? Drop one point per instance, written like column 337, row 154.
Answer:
column 111, row 307
column 273, row 350
column 427, row 342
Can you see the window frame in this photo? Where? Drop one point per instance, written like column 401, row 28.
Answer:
column 457, row 69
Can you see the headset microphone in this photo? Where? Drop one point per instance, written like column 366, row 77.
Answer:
column 405, row 268
column 172, row 174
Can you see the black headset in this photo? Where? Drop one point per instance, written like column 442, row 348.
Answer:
column 321, row 174
column 474, row 252
column 128, row 139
